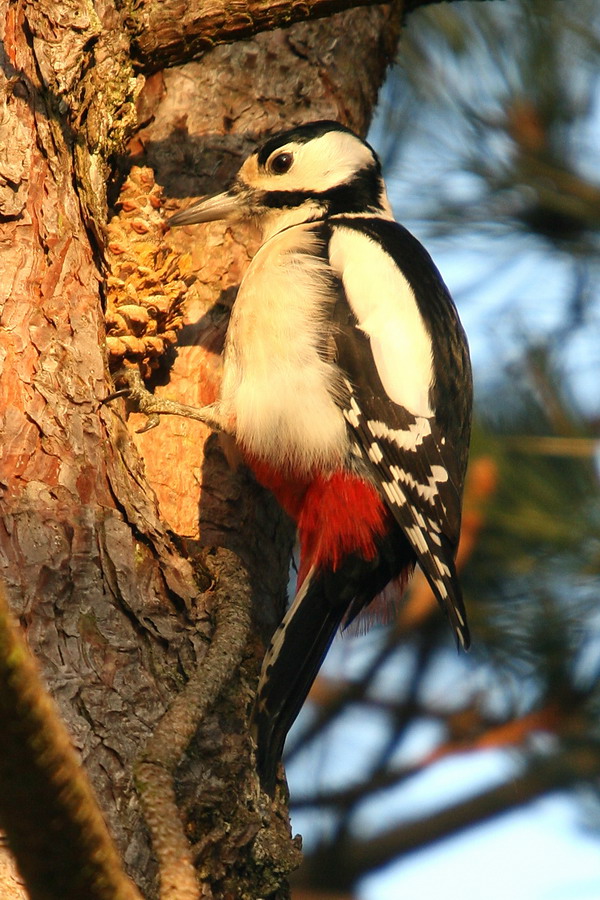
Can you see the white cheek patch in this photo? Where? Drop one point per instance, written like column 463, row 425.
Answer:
column 319, row 164
column 386, row 309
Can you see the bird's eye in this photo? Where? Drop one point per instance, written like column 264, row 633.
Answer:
column 281, row 163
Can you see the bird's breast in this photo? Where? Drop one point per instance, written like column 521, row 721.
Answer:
column 279, row 386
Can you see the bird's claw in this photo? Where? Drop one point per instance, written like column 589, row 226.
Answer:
column 115, row 395
column 141, row 400
column 138, row 396
column 151, row 422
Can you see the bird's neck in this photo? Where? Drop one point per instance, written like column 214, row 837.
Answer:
column 277, row 220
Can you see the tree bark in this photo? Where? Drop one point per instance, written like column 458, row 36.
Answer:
column 176, row 31
column 102, row 530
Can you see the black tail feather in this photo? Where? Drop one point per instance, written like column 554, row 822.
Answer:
column 302, row 640
column 290, row 667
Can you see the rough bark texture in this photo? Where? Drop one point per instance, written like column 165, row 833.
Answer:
column 169, row 32
column 106, row 579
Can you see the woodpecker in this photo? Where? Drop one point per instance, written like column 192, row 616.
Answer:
column 347, row 388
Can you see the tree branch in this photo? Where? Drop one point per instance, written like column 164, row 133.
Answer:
column 165, row 749
column 171, row 32
column 51, row 817
column 343, row 863
column 488, row 734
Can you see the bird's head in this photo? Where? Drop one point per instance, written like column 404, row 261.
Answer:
column 305, row 174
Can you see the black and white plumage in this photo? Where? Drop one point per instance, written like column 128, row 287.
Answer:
column 347, row 386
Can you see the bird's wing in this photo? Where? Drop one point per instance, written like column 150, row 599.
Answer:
column 385, row 354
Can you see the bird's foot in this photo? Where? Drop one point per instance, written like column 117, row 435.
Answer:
column 141, row 400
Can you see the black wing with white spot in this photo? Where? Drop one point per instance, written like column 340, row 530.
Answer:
column 417, row 461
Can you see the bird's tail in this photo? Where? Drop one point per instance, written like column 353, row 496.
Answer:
column 290, row 666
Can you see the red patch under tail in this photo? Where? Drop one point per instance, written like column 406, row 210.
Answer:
column 336, row 515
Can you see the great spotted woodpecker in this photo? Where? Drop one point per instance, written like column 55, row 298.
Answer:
column 347, row 388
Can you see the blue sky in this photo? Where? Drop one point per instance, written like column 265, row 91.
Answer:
column 537, row 853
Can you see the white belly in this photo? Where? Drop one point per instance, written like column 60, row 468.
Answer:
column 277, row 389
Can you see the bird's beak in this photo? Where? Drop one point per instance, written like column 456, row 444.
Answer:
column 219, row 206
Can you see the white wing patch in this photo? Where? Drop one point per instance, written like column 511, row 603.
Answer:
column 405, row 439
column 352, row 415
column 428, row 491
column 375, row 452
column 386, row 309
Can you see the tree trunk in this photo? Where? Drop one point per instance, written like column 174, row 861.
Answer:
column 104, row 531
